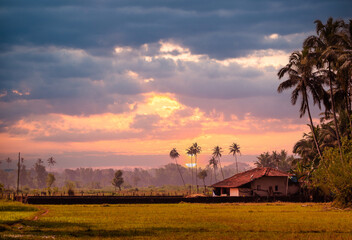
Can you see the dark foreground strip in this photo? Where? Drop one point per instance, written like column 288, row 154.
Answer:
column 146, row 199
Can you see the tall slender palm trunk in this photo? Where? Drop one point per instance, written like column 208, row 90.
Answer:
column 312, row 128
column 211, row 177
column 179, row 171
column 195, row 159
column 334, row 112
column 221, row 170
column 349, row 110
column 236, row 164
column 215, row 174
column 192, row 172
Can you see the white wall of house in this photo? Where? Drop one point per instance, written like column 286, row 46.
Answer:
column 262, row 185
column 234, row 192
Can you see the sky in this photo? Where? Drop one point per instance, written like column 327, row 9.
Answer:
column 119, row 83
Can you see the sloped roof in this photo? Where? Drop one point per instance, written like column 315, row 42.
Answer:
column 249, row 176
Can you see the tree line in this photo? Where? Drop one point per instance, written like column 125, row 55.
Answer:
column 321, row 74
column 41, row 177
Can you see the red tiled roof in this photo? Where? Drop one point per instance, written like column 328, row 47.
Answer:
column 249, row 176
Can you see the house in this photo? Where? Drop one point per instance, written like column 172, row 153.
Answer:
column 262, row 181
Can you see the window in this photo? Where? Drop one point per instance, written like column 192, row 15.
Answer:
column 276, row 188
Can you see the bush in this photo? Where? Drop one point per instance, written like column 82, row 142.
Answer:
column 70, row 192
column 70, row 186
column 334, row 176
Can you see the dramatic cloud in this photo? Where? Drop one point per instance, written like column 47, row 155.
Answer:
column 139, row 77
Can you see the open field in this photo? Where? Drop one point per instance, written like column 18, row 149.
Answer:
column 175, row 221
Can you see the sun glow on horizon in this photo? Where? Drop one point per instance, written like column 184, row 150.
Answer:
column 153, row 122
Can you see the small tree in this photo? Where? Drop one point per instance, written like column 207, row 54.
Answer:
column 41, row 173
column 50, row 179
column 70, row 186
column 202, row 175
column 118, row 180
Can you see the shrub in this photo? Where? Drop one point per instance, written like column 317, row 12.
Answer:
column 334, row 176
column 70, row 186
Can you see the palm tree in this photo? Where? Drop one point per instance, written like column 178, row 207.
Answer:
column 214, row 164
column 196, row 150
column 51, row 162
column 300, row 76
column 39, row 161
column 264, row 160
column 275, row 158
column 328, row 133
column 235, row 149
column 174, row 155
column 305, row 148
column 217, row 155
column 346, row 42
column 190, row 152
column 324, row 46
column 345, row 60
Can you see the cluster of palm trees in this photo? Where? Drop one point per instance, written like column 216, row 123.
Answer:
column 322, row 73
column 194, row 150
column 279, row 160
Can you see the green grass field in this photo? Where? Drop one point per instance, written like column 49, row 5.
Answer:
column 175, row 221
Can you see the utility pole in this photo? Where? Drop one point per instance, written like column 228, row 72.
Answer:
column 18, row 172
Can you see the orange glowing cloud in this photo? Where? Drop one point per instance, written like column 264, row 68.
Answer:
column 174, row 125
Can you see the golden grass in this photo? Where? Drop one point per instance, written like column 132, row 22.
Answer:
column 188, row 221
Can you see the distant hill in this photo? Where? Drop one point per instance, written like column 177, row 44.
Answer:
column 241, row 166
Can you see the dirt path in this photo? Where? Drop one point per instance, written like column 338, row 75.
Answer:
column 42, row 213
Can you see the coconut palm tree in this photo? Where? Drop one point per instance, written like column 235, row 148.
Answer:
column 345, row 60
column 264, row 160
column 196, row 150
column 346, row 42
column 324, row 46
column 217, row 153
column 234, row 150
column 328, row 133
column 306, row 149
column 174, row 155
column 214, row 164
column 303, row 80
column 275, row 158
column 190, row 152
column 51, row 162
